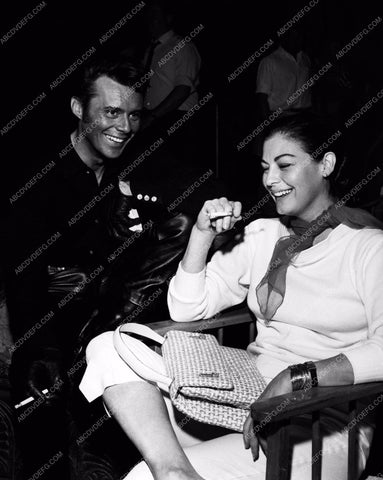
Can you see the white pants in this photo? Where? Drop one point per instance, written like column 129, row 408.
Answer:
column 223, row 456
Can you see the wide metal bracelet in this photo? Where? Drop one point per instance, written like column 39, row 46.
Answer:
column 313, row 373
column 300, row 376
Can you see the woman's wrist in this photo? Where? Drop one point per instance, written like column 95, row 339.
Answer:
column 303, row 376
column 194, row 260
column 205, row 236
column 326, row 373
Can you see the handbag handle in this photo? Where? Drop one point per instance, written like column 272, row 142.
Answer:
column 139, row 357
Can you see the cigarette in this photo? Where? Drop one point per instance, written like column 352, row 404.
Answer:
column 215, row 215
column 29, row 399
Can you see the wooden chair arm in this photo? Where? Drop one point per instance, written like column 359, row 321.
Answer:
column 287, row 406
column 219, row 321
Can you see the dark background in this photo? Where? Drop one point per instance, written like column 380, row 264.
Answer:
column 59, row 34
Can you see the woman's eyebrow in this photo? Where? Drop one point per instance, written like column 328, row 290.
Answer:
column 283, row 155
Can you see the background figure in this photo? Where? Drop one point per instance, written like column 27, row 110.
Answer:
column 336, row 91
column 281, row 74
column 279, row 79
column 171, row 91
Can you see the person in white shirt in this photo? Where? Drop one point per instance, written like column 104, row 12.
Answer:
column 313, row 279
column 172, row 89
column 281, row 76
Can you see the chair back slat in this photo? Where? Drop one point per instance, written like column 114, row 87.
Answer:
column 278, row 456
column 220, row 335
column 316, row 458
column 252, row 332
column 352, row 443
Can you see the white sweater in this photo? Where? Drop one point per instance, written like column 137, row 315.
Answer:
column 333, row 302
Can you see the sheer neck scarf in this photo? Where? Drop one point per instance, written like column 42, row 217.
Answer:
column 271, row 289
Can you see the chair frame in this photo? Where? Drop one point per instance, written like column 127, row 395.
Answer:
column 219, row 322
column 303, row 402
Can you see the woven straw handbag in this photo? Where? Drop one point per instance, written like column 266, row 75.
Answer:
column 205, row 381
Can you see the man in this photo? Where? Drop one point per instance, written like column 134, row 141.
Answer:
column 171, row 91
column 88, row 251
column 281, row 74
column 280, row 78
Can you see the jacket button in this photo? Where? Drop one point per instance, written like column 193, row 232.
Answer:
column 146, row 198
column 139, row 196
column 154, row 199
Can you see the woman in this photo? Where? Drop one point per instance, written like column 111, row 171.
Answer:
column 312, row 278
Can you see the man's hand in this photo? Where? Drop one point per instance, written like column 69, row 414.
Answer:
column 33, row 372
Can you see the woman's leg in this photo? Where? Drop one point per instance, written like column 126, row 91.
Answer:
column 141, row 412
column 140, row 409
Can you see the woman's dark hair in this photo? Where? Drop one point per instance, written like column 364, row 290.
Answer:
column 316, row 135
column 126, row 71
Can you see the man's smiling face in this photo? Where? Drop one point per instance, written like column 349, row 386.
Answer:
column 111, row 118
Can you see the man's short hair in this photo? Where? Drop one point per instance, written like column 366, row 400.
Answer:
column 126, row 71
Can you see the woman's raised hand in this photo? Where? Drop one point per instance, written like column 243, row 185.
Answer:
column 218, row 215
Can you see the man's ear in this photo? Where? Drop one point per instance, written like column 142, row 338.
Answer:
column 328, row 163
column 76, row 107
